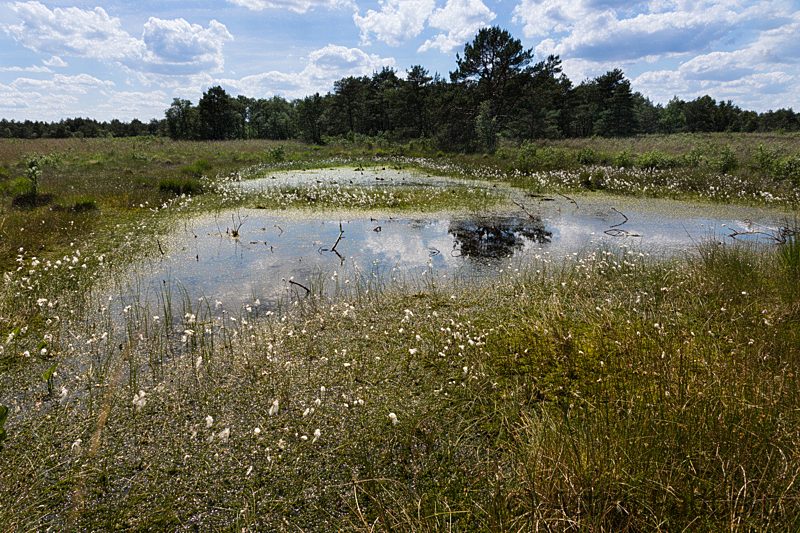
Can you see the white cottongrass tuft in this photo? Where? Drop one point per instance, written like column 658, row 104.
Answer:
column 393, row 418
column 209, row 421
column 274, row 408
column 317, row 434
column 139, row 399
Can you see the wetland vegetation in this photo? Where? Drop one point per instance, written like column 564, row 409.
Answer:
column 508, row 352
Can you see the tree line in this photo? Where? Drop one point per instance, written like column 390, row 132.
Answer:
column 496, row 91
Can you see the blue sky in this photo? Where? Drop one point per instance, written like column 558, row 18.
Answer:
column 114, row 59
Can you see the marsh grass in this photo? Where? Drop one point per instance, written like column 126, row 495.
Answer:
column 393, row 198
column 608, row 392
column 611, row 393
column 178, row 186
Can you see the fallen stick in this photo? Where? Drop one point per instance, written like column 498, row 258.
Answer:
column 292, row 282
column 339, row 238
column 623, row 216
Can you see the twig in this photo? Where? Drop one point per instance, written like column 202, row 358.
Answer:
column 525, row 209
column 292, row 282
column 160, row 249
column 779, row 239
column 623, row 216
column 570, row 199
column 339, row 238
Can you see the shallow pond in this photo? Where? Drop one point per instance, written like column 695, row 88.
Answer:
column 242, row 256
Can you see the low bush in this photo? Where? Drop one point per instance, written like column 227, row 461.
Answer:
column 191, row 186
column 197, row 169
column 84, row 203
column 655, row 160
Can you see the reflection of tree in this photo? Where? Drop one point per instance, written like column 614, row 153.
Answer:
column 496, row 237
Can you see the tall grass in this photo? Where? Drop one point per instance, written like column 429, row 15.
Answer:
column 609, row 393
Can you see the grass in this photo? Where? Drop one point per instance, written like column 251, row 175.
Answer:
column 611, row 393
column 181, row 185
column 423, row 199
column 608, row 392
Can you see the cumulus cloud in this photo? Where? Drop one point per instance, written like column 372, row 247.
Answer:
column 85, row 33
column 32, row 69
column 297, row 6
column 127, row 105
column 55, row 62
column 396, row 21
column 760, row 74
column 178, row 47
column 324, row 66
column 78, row 84
column 724, row 48
column 460, row 20
column 52, row 98
column 609, row 30
column 166, row 46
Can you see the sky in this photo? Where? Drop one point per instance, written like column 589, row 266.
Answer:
column 129, row 59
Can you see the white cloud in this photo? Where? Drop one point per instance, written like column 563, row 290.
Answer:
column 604, row 37
column 397, row 20
column 759, row 75
column 127, row 105
column 72, row 31
column 53, row 98
column 297, row 6
column 539, row 18
column 55, row 62
column 461, row 19
column 35, row 69
column 78, row 84
column 325, row 66
column 178, row 47
column 618, row 31
column 173, row 47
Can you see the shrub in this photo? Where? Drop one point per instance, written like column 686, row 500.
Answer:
column 764, row 159
column 532, row 158
column 655, row 160
column 83, row 204
column 624, row 159
column 181, row 185
column 18, row 187
column 276, row 155
column 726, row 161
column 587, row 156
column 197, row 169
column 788, row 168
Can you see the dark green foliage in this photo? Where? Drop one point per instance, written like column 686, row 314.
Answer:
column 197, row 169
column 218, row 117
column 276, row 155
column 726, row 161
column 655, row 160
column 181, row 186
column 48, row 377
column 83, row 204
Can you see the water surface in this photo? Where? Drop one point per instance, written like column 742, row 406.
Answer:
column 245, row 255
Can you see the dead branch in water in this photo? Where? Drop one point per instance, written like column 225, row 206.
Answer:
column 570, row 199
column 339, row 238
column 525, row 209
column 623, row 216
column 292, row 282
column 237, row 225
